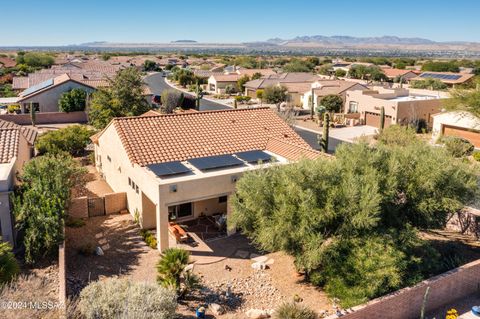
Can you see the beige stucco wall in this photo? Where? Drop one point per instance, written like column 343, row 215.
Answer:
column 118, row 169
column 48, row 99
column 458, row 119
column 398, row 110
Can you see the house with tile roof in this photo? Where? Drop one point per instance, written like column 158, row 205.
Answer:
column 45, row 95
column 218, row 83
column 16, row 148
column 322, row 88
column 182, row 168
column 449, row 78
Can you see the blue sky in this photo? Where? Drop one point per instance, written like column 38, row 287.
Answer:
column 55, row 22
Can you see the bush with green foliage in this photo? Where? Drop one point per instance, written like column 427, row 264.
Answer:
column 242, row 98
column 275, row 94
column 332, row 103
column 149, row 238
column 39, row 205
column 72, row 139
column 123, row 97
column 440, row 66
column 35, row 59
column 369, row 199
column 8, row 264
column 172, row 274
column 457, row 146
column 297, row 65
column 463, row 100
column 339, row 73
column 73, row 101
column 360, row 71
column 429, row 84
column 150, row 65
column 476, row 156
column 170, row 100
column 119, row 298
column 241, row 82
column 294, row 310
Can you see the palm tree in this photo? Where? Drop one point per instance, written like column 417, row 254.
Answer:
column 171, row 266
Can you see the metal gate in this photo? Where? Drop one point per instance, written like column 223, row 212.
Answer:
column 96, row 206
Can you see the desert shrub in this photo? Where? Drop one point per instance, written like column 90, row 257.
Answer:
column 242, row 98
column 72, row 139
column 294, row 310
column 32, row 288
column 457, row 146
column 119, row 298
column 8, row 264
column 476, row 156
column 149, row 238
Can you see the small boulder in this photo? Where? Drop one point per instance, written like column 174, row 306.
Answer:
column 99, row 251
column 257, row 314
column 216, row 309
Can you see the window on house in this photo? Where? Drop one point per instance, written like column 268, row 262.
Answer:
column 222, row 199
column 26, row 107
column 353, row 107
column 180, row 211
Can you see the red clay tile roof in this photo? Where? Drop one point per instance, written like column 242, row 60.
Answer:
column 8, row 144
column 29, row 133
column 291, row 151
column 391, row 73
column 7, row 62
column 182, row 136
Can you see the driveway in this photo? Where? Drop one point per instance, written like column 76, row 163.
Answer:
column 156, row 83
column 337, row 135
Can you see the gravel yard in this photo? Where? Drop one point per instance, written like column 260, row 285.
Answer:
column 126, row 255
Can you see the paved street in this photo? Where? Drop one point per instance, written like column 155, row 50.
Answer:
column 157, row 85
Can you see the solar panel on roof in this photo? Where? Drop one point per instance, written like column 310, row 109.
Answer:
column 212, row 162
column 38, row 87
column 441, row 76
column 254, row 156
column 168, row 168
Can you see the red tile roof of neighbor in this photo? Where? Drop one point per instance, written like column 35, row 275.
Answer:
column 9, row 139
column 7, row 62
column 182, row 136
column 391, row 73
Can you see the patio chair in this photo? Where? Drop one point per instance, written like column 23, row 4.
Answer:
column 178, row 232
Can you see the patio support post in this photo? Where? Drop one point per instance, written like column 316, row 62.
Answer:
column 162, row 227
column 230, row 230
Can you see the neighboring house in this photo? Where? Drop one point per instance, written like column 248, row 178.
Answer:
column 191, row 171
column 219, row 83
column 251, row 72
column 7, row 62
column 323, row 88
column 459, row 124
column 393, row 74
column 45, row 95
column 16, row 147
column 295, row 82
column 401, row 106
column 449, row 78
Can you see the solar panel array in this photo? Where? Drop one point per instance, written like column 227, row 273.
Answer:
column 441, row 76
column 254, row 156
column 38, row 87
column 168, row 169
column 212, row 162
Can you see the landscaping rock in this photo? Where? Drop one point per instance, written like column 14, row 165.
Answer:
column 99, row 251
column 257, row 314
column 260, row 265
column 242, row 254
column 216, row 309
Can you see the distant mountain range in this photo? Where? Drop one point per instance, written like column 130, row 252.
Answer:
column 349, row 40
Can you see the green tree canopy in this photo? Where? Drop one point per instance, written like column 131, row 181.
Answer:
column 73, row 100
column 275, row 94
column 464, row 100
column 124, row 97
column 429, row 84
column 35, row 59
column 241, row 82
column 440, row 66
column 40, row 204
column 332, row 103
column 72, row 139
column 370, row 199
